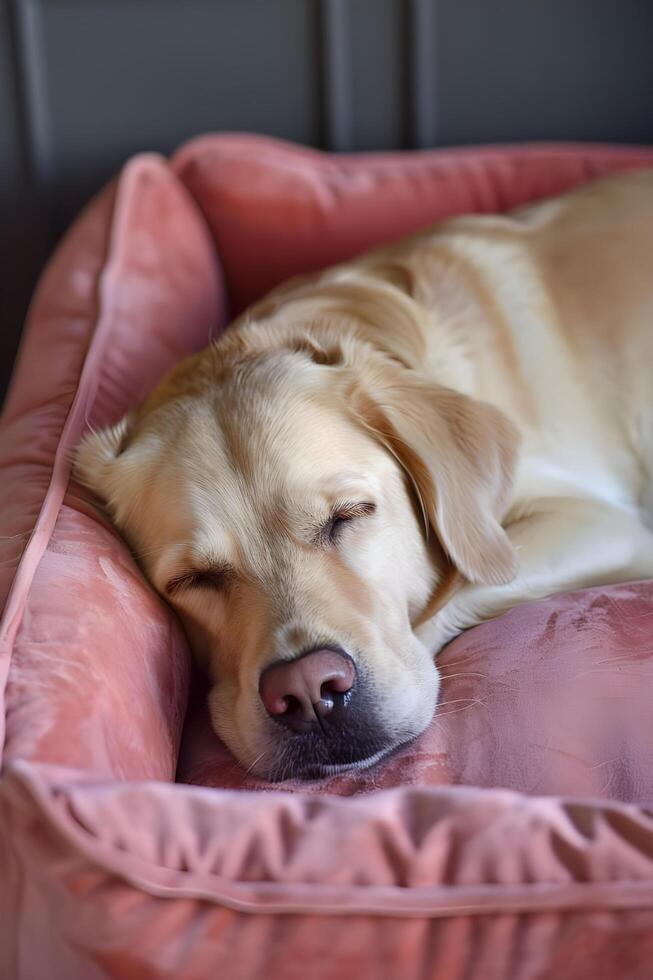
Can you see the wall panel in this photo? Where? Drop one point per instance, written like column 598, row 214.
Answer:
column 86, row 83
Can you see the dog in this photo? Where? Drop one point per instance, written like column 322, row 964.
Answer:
column 381, row 455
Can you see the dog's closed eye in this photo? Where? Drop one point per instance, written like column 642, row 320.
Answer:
column 345, row 514
column 217, row 578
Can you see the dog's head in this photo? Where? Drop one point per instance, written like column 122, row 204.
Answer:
column 302, row 498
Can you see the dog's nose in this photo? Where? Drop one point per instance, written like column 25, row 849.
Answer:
column 307, row 693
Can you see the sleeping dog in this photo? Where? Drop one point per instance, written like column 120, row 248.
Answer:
column 379, row 456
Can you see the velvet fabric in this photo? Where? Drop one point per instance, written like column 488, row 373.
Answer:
column 514, row 839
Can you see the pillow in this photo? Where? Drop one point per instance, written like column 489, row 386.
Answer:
column 96, row 667
column 552, row 698
column 276, row 210
column 110, row 869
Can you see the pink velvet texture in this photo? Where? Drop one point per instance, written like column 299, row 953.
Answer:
column 513, row 840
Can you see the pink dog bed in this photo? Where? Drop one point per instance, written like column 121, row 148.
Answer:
column 512, row 840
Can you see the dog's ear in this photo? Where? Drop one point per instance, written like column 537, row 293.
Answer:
column 460, row 454
column 94, row 457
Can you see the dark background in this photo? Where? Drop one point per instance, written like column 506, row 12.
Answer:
column 86, row 83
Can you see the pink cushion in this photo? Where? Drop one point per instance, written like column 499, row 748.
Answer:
column 131, row 289
column 552, row 698
column 108, row 868
column 276, row 210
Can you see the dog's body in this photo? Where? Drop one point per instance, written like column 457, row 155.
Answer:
column 561, row 341
column 492, row 378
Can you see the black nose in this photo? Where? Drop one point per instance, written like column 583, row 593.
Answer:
column 313, row 693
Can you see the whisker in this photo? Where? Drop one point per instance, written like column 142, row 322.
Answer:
column 462, row 673
column 443, row 704
column 456, row 711
column 256, row 761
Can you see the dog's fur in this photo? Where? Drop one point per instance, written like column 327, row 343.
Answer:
column 384, row 454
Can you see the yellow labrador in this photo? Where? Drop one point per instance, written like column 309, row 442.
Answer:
column 377, row 457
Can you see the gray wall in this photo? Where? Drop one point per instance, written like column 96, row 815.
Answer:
column 86, row 83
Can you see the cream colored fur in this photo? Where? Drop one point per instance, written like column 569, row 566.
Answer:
column 486, row 385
